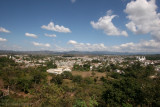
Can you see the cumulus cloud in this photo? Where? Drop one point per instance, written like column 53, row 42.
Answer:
column 87, row 46
column 72, row 42
column 51, row 26
column 4, row 30
column 41, row 44
column 31, row 35
column 143, row 17
column 73, row 1
column 105, row 23
column 50, row 35
column 3, row 39
column 142, row 46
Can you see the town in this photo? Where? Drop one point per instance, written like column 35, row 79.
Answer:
column 95, row 62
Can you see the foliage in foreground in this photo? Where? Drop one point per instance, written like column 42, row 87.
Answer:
column 31, row 86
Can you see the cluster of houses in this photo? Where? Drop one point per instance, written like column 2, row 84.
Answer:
column 67, row 63
column 141, row 58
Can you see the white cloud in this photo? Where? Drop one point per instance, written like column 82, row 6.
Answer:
column 31, row 35
column 50, row 35
column 143, row 17
column 142, row 46
column 3, row 40
column 72, row 42
column 4, row 30
column 41, row 44
column 87, row 46
column 56, row 28
column 73, row 1
column 105, row 23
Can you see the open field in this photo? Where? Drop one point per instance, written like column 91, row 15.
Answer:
column 88, row 73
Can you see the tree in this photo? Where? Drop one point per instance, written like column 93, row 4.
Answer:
column 113, row 66
column 49, row 95
column 50, row 64
column 24, row 83
column 67, row 75
column 80, row 103
column 126, row 90
column 77, row 79
column 38, row 77
column 86, row 67
column 149, row 70
column 57, row 79
column 115, row 75
column 88, row 80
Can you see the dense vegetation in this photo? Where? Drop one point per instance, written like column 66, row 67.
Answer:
column 153, row 57
column 84, row 67
column 34, row 86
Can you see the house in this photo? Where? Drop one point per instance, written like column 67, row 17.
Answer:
column 119, row 71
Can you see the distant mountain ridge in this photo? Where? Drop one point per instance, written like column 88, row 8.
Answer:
column 46, row 52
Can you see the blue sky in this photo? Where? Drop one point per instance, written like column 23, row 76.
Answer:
column 83, row 25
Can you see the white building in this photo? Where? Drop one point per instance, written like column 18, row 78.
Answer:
column 55, row 71
column 67, row 69
column 143, row 58
column 58, row 70
column 119, row 71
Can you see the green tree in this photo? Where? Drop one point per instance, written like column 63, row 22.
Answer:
column 57, row 79
column 49, row 95
column 51, row 64
column 38, row 77
column 80, row 103
column 24, row 83
column 67, row 75
column 77, row 79
column 88, row 80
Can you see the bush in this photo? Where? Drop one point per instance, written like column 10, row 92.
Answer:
column 77, row 79
column 57, row 79
column 24, row 84
column 80, row 103
column 1, row 93
column 51, row 65
column 88, row 80
column 38, row 76
column 115, row 75
column 67, row 75
column 103, row 79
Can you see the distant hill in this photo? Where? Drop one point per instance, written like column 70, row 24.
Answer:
column 46, row 52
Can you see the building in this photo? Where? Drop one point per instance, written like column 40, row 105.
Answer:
column 58, row 70
column 143, row 58
column 119, row 71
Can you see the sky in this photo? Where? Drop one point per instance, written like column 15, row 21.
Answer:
column 80, row 25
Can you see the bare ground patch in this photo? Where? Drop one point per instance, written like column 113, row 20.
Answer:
column 88, row 74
